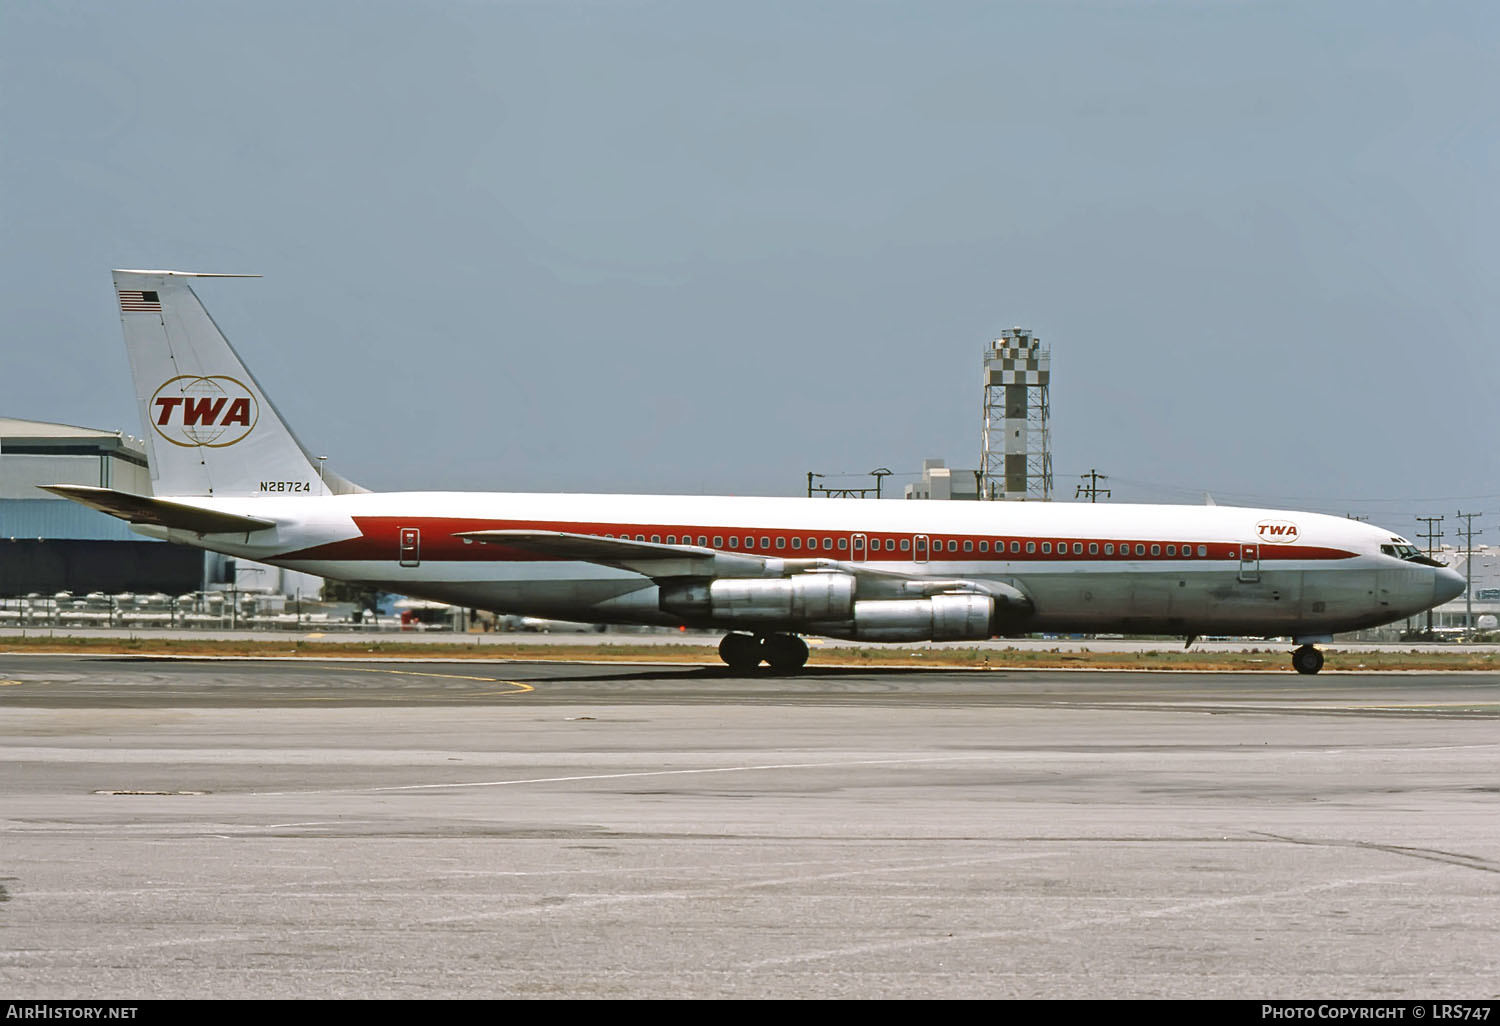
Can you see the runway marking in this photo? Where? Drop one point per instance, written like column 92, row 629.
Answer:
column 1086, row 922
column 633, row 773
column 575, row 902
column 4, row 683
column 679, row 772
column 518, row 686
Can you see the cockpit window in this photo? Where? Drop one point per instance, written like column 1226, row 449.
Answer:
column 1408, row 552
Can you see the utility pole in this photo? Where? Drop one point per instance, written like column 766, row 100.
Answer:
column 1433, row 536
column 1469, row 533
column 845, row 493
column 1093, row 491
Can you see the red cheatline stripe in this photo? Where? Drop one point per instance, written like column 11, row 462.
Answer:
column 380, row 541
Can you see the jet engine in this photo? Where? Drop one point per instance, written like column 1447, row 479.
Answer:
column 799, row 599
column 965, row 617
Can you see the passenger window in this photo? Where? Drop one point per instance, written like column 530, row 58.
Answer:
column 968, row 546
column 1030, row 546
column 1171, row 550
column 702, row 542
column 843, row 543
column 905, row 544
column 890, row 545
column 797, row 542
column 780, row 542
column 1015, row 546
column 1109, row 548
column 952, row 545
column 734, row 542
column 671, row 539
column 1078, row 548
column 718, row 541
column 1202, row 550
column 984, row 546
column 827, row 543
column 1093, row 548
column 921, row 544
column 1140, row 550
column 1156, row 550
column 640, row 537
column 1047, row 548
column 765, row 541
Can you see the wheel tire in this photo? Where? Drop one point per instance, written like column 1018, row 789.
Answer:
column 1307, row 660
column 741, row 651
column 786, row 653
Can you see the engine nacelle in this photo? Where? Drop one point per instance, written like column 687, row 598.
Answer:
column 964, row 617
column 799, row 599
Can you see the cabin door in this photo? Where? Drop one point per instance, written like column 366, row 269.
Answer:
column 411, row 546
column 1250, row 562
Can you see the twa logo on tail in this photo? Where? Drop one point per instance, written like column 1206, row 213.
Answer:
column 1276, row 531
column 214, row 411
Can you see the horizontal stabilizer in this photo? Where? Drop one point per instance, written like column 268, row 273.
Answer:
column 146, row 509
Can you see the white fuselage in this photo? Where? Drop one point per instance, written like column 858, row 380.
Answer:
column 1085, row 568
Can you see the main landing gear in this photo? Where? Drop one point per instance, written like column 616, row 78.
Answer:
column 1307, row 660
column 784, row 652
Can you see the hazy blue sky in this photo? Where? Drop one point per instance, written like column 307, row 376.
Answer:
column 708, row 247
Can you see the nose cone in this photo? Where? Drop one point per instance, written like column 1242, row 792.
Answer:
column 1447, row 584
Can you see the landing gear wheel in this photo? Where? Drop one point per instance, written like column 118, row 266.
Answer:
column 1307, row 660
column 786, row 653
column 741, row 651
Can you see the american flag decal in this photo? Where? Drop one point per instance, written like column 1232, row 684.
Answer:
column 137, row 301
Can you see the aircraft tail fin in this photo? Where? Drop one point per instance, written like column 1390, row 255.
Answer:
column 210, row 427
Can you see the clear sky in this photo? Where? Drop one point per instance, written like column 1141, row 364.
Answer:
column 708, row 247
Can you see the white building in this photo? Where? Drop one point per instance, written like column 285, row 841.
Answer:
column 940, row 481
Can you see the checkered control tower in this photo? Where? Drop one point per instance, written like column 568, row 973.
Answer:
column 1015, row 459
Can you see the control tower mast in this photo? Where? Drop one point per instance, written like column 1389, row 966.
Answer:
column 1015, row 460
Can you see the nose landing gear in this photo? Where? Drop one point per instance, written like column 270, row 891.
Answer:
column 784, row 652
column 1307, row 660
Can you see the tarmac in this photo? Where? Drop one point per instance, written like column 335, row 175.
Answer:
column 336, row 829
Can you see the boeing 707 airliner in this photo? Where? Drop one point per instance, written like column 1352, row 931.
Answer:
column 229, row 475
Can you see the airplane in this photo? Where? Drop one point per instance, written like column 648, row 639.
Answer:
column 229, row 475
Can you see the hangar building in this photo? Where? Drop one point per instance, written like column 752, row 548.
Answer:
column 49, row 544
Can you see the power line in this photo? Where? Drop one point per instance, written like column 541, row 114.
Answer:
column 1199, row 489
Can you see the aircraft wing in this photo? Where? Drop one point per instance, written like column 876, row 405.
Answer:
column 147, row 509
column 657, row 561
column 653, row 559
